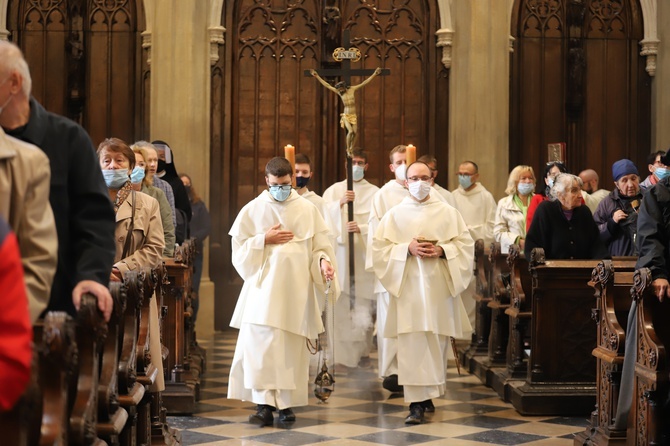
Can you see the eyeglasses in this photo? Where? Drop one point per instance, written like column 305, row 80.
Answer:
column 423, row 178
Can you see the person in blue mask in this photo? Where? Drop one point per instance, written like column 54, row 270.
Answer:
column 281, row 249
column 616, row 215
column 656, row 169
column 510, row 224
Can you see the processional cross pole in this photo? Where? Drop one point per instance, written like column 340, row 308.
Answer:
column 348, row 119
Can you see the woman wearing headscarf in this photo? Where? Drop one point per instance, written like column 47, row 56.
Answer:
column 167, row 172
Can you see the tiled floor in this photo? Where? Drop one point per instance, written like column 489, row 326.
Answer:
column 360, row 412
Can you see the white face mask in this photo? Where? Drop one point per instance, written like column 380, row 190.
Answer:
column 357, row 173
column 419, row 189
column 401, row 172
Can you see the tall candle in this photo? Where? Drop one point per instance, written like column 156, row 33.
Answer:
column 289, row 154
column 411, row 154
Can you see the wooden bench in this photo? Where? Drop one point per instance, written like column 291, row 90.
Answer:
column 648, row 420
column 561, row 377
column 612, row 281
column 479, row 345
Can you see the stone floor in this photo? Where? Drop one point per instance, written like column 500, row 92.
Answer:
column 360, row 412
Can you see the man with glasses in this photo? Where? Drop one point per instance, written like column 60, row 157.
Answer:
column 423, row 255
column 657, row 170
column 353, row 326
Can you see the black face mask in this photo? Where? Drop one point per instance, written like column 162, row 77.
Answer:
column 301, row 182
column 161, row 166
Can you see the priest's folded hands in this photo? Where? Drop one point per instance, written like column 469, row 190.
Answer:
column 424, row 249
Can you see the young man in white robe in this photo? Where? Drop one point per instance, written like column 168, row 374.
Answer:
column 353, row 326
column 391, row 194
column 281, row 249
column 431, row 161
column 304, row 173
column 478, row 208
column 423, row 254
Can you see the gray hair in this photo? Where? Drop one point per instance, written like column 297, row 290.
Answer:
column 143, row 145
column 12, row 61
column 562, row 182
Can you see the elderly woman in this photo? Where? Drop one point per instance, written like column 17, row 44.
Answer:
column 550, row 173
column 616, row 215
column 510, row 224
column 563, row 227
column 143, row 184
column 138, row 233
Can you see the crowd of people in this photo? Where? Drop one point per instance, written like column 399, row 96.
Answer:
column 412, row 260
column 73, row 219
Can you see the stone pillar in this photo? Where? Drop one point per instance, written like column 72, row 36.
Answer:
column 180, row 97
column 660, row 93
column 479, row 91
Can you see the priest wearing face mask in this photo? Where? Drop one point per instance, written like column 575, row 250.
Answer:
column 391, row 194
column 423, row 254
column 352, row 334
column 616, row 215
column 303, row 174
column 281, row 250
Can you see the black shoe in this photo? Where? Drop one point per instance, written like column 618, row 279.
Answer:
column 428, row 406
column 390, row 383
column 286, row 415
column 263, row 416
column 415, row 414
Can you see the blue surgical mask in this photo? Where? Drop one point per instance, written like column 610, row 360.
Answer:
column 137, row 175
column 280, row 192
column 115, row 178
column 662, row 172
column 525, row 188
column 357, row 173
column 550, row 182
column 465, row 181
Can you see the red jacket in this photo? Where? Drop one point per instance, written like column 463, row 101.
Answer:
column 16, row 332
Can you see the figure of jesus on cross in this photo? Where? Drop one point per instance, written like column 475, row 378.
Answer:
column 348, row 120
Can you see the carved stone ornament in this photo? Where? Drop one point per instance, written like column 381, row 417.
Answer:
column 445, row 40
column 216, row 38
column 146, row 44
column 650, row 50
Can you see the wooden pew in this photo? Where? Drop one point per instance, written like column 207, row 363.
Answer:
column 612, row 281
column 648, row 420
column 561, row 370
column 182, row 374
column 480, row 338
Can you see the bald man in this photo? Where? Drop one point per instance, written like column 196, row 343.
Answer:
column 590, row 185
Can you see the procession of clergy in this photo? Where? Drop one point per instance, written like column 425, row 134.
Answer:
column 413, row 245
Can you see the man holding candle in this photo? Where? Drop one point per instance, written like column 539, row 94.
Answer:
column 422, row 253
column 352, row 334
column 386, row 198
column 281, row 249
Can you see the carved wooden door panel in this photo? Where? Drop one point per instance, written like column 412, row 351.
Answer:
column 577, row 77
column 86, row 62
column 261, row 100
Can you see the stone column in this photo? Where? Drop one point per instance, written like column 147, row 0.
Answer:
column 479, row 91
column 180, row 97
column 660, row 93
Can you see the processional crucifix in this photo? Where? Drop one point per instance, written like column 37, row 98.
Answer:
column 348, row 120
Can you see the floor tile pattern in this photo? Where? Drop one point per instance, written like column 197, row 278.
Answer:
column 361, row 413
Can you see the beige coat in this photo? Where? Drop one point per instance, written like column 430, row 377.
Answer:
column 148, row 242
column 24, row 203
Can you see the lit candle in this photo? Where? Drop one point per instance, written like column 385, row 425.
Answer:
column 289, row 154
column 411, row 154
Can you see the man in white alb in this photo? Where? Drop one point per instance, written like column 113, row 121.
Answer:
column 281, row 249
column 423, row 254
column 353, row 326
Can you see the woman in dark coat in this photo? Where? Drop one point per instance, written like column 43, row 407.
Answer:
column 564, row 227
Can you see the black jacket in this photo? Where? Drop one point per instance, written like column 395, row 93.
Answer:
column 578, row 238
column 82, row 209
column 653, row 230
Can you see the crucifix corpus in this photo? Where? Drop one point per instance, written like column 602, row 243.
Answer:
column 348, row 120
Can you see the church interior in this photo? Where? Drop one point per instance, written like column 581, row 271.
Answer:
column 226, row 83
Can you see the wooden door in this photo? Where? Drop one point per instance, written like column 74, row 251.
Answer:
column 578, row 78
column 86, row 62
column 261, row 101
